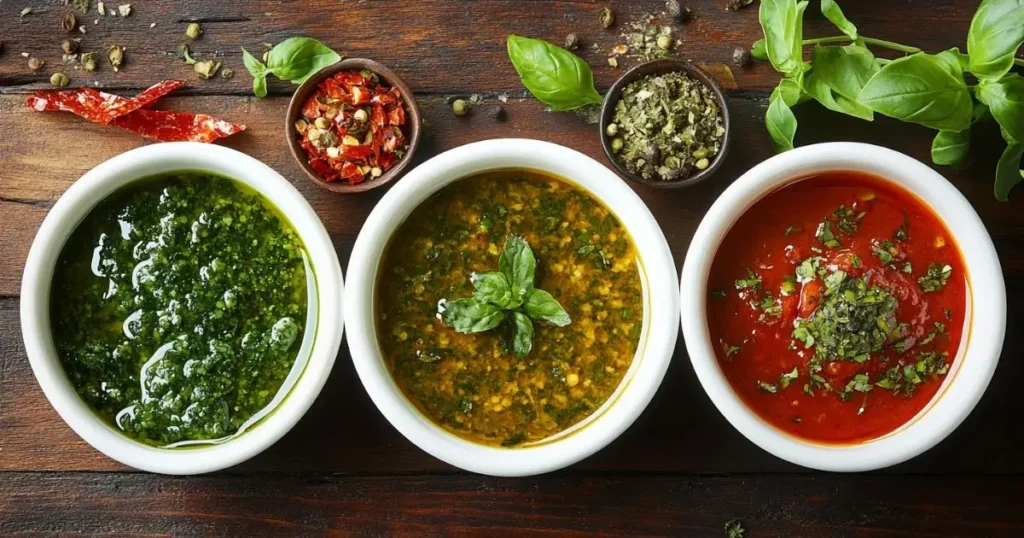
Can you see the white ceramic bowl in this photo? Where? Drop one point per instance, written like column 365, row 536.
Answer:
column 983, row 330
column 661, row 307
column 323, row 336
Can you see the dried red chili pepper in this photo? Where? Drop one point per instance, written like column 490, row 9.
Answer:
column 132, row 114
column 350, row 127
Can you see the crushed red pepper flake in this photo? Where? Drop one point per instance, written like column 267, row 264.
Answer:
column 351, row 127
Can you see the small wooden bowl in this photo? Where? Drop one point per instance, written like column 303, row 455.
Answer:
column 658, row 67
column 411, row 127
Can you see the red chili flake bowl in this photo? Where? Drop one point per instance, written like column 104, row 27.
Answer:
column 410, row 129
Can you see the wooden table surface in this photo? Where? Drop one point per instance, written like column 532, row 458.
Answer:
column 680, row 470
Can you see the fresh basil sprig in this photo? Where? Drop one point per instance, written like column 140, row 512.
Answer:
column 294, row 59
column 506, row 297
column 927, row 89
column 555, row 76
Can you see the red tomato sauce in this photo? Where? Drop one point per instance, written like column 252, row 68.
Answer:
column 752, row 326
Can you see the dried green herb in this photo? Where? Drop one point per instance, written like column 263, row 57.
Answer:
column 82, row 5
column 670, row 125
column 648, row 41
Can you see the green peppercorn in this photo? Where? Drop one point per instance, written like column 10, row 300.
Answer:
column 611, row 130
column 460, row 107
column 115, row 55
column 88, row 62
column 664, row 42
column 702, row 164
column 59, row 80
column 194, row 30
column 617, row 144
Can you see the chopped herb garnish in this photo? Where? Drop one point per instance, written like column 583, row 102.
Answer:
column 789, row 377
column 718, row 293
column 752, row 281
column 936, row 277
column 903, row 232
column 809, row 269
column 939, row 330
column 790, row 230
column 853, row 321
column 825, row 235
column 907, row 268
column 734, row 529
column 885, row 251
column 771, row 388
column 848, row 222
column 788, row 285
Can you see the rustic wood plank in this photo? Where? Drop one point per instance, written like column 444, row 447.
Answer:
column 693, row 506
column 439, row 46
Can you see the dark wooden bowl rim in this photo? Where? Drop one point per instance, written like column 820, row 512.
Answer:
column 411, row 127
column 659, row 67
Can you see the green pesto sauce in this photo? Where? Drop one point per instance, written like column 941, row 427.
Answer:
column 470, row 383
column 178, row 307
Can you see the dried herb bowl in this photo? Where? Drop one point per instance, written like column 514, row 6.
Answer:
column 660, row 67
column 411, row 129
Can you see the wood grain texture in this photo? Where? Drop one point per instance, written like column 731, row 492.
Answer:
column 790, row 506
column 681, row 470
column 437, row 46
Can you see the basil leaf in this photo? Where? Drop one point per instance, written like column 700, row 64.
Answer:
column 831, row 100
column 920, row 89
column 997, row 31
column 522, row 335
column 950, row 147
column 555, row 76
column 469, row 316
column 492, row 288
column 758, row 50
column 518, row 265
column 844, row 69
column 790, row 90
column 1008, row 173
column 780, row 121
column 298, row 58
column 540, row 305
column 782, row 23
column 258, row 72
column 1005, row 100
column 831, row 11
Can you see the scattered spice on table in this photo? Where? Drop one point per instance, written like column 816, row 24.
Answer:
column 646, row 40
column 607, row 17
column 351, row 127
column 572, row 42
column 134, row 114
column 460, row 107
column 666, row 127
column 69, row 22
column 193, row 31
column 677, row 12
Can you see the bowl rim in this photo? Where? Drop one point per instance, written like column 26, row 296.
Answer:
column 636, row 392
column 412, row 124
column 972, row 371
column 664, row 65
column 65, row 216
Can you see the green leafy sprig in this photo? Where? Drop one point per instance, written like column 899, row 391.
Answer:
column 507, row 298
column 927, row 89
column 555, row 76
column 294, row 59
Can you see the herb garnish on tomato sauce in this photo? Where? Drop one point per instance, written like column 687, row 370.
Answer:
column 837, row 305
